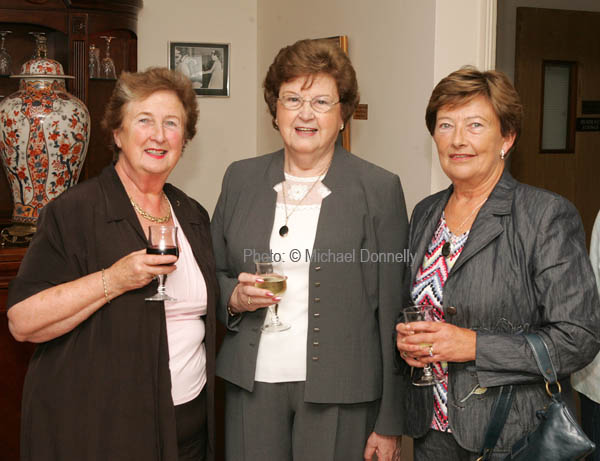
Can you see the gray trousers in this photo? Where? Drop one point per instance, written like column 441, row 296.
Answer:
column 274, row 423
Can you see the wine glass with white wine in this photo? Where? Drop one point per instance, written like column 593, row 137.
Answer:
column 421, row 313
column 273, row 280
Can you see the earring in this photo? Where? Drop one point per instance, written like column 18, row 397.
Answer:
column 502, row 154
column 342, row 127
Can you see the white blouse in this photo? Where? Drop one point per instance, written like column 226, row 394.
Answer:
column 282, row 355
column 185, row 326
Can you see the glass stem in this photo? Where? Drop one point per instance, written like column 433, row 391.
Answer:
column 161, row 284
column 427, row 371
column 274, row 317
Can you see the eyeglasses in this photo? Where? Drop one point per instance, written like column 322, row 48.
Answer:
column 320, row 104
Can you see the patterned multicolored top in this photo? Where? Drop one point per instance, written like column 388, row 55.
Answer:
column 428, row 288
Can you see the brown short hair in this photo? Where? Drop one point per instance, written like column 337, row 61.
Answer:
column 467, row 83
column 309, row 58
column 137, row 86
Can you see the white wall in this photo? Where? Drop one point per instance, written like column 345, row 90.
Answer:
column 226, row 126
column 465, row 33
column 400, row 49
column 507, row 22
column 391, row 47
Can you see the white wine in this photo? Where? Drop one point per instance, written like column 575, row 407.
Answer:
column 276, row 284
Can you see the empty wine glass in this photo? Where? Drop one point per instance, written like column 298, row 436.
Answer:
column 107, row 66
column 5, row 59
column 94, row 64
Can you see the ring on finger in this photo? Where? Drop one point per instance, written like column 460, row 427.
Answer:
column 431, row 351
column 249, row 300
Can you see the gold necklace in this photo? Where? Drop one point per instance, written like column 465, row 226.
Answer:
column 148, row 216
column 283, row 230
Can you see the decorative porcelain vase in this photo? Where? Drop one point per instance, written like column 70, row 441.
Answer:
column 44, row 134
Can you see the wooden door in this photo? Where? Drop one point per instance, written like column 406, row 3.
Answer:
column 560, row 36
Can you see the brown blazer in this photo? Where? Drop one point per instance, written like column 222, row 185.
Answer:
column 103, row 390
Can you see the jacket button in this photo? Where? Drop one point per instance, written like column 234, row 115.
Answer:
column 317, row 284
column 318, row 268
column 451, row 310
column 317, row 300
column 315, row 343
column 315, row 358
column 316, row 315
column 316, row 329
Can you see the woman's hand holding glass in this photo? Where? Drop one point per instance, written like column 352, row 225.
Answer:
column 449, row 343
column 136, row 270
column 247, row 297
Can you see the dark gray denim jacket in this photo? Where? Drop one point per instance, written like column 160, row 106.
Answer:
column 524, row 268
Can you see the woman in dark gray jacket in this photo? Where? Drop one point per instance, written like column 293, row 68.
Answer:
column 495, row 258
column 325, row 388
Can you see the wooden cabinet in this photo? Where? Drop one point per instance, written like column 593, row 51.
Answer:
column 71, row 27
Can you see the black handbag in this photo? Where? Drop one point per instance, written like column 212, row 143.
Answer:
column 557, row 437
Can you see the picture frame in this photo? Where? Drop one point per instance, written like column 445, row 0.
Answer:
column 342, row 42
column 206, row 64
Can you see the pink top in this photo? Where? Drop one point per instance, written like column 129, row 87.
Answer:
column 185, row 326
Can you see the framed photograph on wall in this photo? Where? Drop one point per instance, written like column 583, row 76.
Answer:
column 206, row 64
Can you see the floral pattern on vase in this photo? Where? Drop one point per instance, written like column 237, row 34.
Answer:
column 44, row 133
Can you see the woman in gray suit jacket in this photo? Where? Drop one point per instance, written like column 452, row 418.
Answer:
column 325, row 389
column 496, row 258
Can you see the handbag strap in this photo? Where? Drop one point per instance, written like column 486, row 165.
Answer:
column 543, row 360
column 499, row 414
column 505, row 396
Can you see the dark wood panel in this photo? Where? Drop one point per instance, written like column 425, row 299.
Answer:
column 13, row 362
column 52, row 19
column 99, row 153
column 130, row 6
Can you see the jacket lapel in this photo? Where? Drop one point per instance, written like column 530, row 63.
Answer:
column 334, row 207
column 422, row 232
column 259, row 201
column 488, row 225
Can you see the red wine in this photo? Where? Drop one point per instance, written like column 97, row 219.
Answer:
column 169, row 250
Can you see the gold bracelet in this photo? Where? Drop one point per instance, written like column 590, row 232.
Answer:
column 105, row 285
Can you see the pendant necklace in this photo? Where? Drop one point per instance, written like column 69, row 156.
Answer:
column 148, row 216
column 446, row 248
column 283, row 230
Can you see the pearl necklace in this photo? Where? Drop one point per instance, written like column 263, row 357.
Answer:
column 148, row 216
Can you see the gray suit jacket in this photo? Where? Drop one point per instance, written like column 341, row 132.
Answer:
column 353, row 305
column 524, row 268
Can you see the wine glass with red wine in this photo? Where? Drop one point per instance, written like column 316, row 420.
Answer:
column 162, row 240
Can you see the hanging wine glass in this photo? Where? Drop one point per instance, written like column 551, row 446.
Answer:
column 94, row 64
column 5, row 59
column 41, row 45
column 107, row 66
